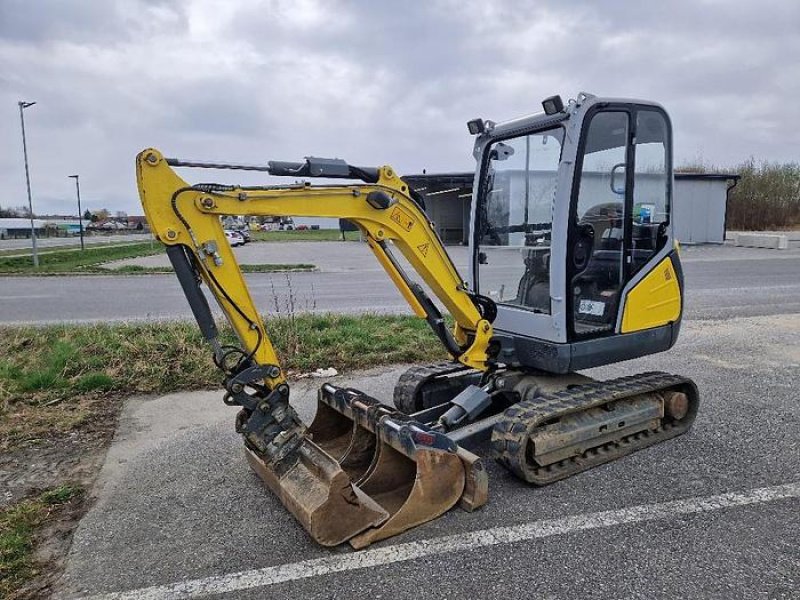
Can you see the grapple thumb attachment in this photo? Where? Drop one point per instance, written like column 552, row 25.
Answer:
column 366, row 472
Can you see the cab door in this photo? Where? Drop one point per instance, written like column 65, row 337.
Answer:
column 619, row 211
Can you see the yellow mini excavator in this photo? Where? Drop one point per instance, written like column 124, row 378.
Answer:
column 573, row 266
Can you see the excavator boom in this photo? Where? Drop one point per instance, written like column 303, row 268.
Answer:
column 362, row 471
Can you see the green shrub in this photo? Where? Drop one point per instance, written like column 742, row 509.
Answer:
column 766, row 197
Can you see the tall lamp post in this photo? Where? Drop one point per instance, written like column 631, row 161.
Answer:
column 80, row 214
column 22, row 107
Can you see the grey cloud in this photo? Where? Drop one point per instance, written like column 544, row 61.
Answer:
column 86, row 21
column 372, row 82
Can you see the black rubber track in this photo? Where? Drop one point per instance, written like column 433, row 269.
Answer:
column 407, row 390
column 511, row 434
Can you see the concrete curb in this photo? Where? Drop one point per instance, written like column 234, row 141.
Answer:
column 762, row 240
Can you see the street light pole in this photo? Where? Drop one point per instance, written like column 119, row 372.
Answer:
column 22, row 107
column 80, row 214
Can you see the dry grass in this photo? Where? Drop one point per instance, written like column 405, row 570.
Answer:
column 18, row 529
column 63, row 378
column 767, row 197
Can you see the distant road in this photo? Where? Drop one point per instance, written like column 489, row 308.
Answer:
column 721, row 283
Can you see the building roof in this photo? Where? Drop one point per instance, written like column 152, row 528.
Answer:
column 20, row 223
column 434, row 183
column 708, row 176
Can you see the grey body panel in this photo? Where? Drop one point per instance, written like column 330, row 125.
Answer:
column 526, row 352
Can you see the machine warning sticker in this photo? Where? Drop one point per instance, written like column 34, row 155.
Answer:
column 592, row 307
column 402, row 218
column 423, row 249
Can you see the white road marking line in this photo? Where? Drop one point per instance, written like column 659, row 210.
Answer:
column 461, row 542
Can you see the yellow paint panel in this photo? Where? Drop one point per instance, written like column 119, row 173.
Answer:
column 654, row 301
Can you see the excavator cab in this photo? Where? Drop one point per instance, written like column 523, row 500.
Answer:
column 571, row 214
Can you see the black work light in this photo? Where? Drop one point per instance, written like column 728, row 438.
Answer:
column 476, row 126
column 552, row 105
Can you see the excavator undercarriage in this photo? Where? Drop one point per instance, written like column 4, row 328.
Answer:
column 549, row 427
column 572, row 268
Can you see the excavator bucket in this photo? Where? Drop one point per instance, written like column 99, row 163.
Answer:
column 320, row 495
column 412, row 491
column 349, row 443
column 367, row 472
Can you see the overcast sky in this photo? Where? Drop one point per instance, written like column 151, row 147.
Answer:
column 371, row 82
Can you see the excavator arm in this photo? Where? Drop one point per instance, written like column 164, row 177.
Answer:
column 188, row 216
column 362, row 471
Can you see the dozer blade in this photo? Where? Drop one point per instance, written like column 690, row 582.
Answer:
column 365, row 472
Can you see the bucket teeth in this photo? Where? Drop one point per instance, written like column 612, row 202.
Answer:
column 366, row 472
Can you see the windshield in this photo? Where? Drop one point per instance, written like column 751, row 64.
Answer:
column 515, row 218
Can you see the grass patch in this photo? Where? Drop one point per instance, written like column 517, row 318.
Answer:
column 254, row 268
column 27, row 252
column 18, row 525
column 71, row 261
column 66, row 383
column 305, row 235
column 63, row 378
column 138, row 270
column 92, row 260
column 95, row 382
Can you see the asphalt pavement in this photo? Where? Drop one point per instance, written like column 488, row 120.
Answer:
column 711, row 514
column 722, row 282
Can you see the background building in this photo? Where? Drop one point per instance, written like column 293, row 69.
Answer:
column 700, row 201
column 15, row 227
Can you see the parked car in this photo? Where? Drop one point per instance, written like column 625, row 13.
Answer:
column 234, row 238
column 245, row 233
column 302, row 227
